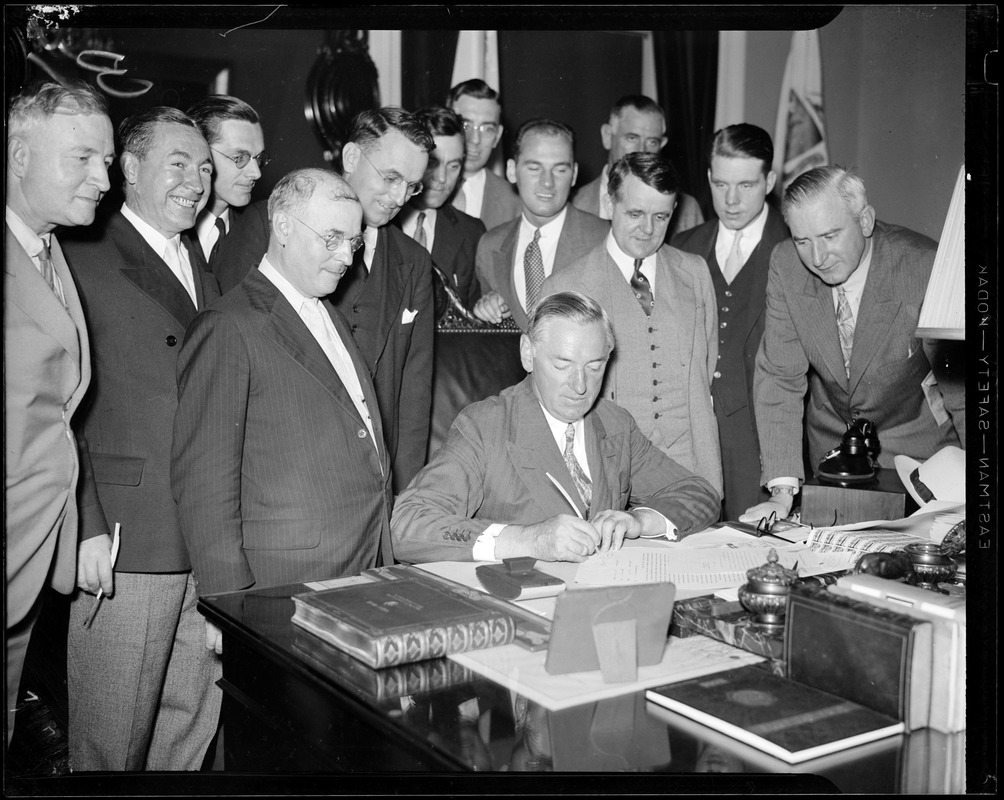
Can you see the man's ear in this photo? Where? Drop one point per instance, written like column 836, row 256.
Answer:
column 662, row 142
column 607, row 204
column 771, row 180
column 130, row 167
column 18, row 154
column 526, row 352
column 607, row 135
column 867, row 221
column 510, row 171
column 350, row 157
column 280, row 227
column 575, row 172
column 498, row 137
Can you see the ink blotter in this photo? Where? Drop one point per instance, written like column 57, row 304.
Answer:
column 517, row 579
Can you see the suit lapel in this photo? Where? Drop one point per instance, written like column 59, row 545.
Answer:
column 147, row 271
column 602, row 454
column 877, row 311
column 820, row 319
column 534, row 454
column 390, row 277
column 505, row 271
column 29, row 291
column 446, row 245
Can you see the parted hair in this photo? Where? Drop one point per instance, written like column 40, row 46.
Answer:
column 639, row 102
column 43, row 99
column 816, row 182
column 209, row 112
column 573, row 306
column 368, row 126
column 136, row 132
column 441, row 121
column 476, row 88
column 743, row 141
column 651, row 169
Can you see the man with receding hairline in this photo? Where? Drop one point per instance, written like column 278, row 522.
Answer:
column 59, row 147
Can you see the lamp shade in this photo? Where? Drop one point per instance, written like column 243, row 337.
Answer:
column 943, row 314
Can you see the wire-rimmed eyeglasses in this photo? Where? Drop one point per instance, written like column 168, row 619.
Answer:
column 334, row 241
column 243, row 158
column 394, row 180
column 485, row 128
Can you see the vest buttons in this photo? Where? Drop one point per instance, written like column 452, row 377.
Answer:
column 728, row 293
column 361, row 433
column 354, row 328
column 718, row 374
column 725, row 309
column 171, row 341
column 724, row 325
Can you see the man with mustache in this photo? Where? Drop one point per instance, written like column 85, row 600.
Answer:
column 141, row 681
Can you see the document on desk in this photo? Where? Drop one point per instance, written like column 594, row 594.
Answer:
column 687, row 567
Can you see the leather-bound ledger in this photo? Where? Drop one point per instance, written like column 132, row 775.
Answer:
column 386, row 623
column 778, row 716
column 874, row 656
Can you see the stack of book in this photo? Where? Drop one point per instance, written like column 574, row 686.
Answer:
column 391, row 622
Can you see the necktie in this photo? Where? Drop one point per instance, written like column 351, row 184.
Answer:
column 641, row 288
column 45, row 261
column 579, row 478
column 420, row 231
column 845, row 327
column 533, row 267
column 172, row 257
column 734, row 261
column 222, row 228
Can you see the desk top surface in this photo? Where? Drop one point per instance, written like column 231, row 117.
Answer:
column 468, row 722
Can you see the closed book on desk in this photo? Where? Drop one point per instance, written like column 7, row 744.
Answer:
column 387, row 623
column 947, row 616
column 873, row 656
column 379, row 685
column 783, row 718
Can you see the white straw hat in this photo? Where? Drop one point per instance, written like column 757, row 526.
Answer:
column 941, row 477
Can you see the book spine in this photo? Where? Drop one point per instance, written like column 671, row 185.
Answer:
column 418, row 645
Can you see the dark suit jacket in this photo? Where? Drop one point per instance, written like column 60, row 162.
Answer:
column 453, row 247
column 276, row 477
column 137, row 312
column 47, row 368
column 493, row 468
column 733, row 389
column 500, row 202
column 496, row 256
column 391, row 315
column 801, row 349
column 242, row 248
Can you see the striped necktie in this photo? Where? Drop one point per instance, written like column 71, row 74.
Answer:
column 845, row 327
column 641, row 288
column 533, row 267
column 420, row 231
column 579, row 478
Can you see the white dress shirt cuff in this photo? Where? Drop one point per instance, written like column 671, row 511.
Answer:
column 484, row 546
column 669, row 532
column 792, row 482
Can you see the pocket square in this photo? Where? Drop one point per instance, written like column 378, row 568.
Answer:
column 408, row 316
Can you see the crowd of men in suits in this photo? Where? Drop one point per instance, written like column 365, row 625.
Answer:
column 243, row 390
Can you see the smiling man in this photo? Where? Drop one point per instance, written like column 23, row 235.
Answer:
column 451, row 236
column 232, row 231
column 142, row 684
column 662, row 305
column 280, row 469
column 547, row 469
column 59, row 147
column 843, row 298
column 737, row 248
column 514, row 259
column 387, row 295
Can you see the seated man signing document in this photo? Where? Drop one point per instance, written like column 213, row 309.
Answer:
column 545, row 469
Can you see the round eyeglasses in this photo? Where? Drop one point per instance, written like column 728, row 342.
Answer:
column 485, row 128
column 393, row 180
column 334, row 241
column 243, row 158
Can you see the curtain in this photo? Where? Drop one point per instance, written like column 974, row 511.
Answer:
column 426, row 67
column 686, row 71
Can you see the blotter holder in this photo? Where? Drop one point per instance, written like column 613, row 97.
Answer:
column 615, row 629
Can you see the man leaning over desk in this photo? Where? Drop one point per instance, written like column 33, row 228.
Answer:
column 545, row 469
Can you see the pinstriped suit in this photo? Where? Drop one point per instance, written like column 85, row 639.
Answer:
column 492, row 469
column 276, row 478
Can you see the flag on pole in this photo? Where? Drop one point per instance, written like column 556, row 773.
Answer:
column 477, row 57
column 800, row 135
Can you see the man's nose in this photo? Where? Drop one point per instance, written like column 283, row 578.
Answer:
column 99, row 176
column 578, row 382
column 818, row 254
column 253, row 170
column 732, row 195
column 647, row 225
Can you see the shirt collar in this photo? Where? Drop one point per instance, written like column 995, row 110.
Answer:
column 153, row 237
column 287, row 289
column 558, row 428
column 625, row 263
column 30, row 241
column 752, row 233
column 548, row 229
column 855, row 283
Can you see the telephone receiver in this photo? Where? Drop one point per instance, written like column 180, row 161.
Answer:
column 856, row 459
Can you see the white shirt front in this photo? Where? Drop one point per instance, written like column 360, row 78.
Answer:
column 207, row 231
column 473, row 188
column 183, row 270
column 625, row 263
column 751, row 236
column 548, row 243
column 32, row 243
column 337, row 352
column 409, row 224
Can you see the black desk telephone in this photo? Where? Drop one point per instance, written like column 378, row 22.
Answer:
column 856, row 459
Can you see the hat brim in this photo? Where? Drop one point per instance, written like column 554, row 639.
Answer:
column 904, row 468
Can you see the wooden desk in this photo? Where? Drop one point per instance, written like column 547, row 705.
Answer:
column 284, row 714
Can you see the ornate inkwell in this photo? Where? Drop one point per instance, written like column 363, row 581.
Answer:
column 765, row 593
column 931, row 564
